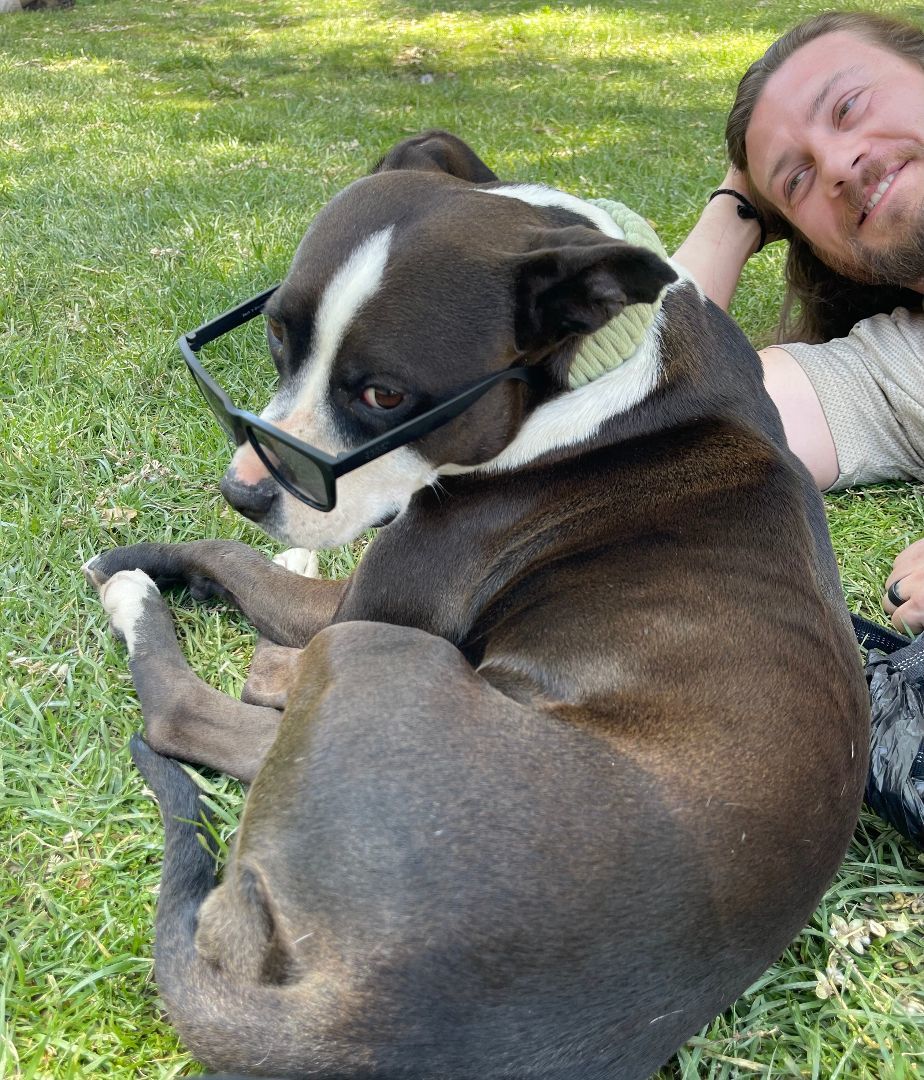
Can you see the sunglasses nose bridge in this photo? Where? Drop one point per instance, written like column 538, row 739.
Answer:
column 246, row 464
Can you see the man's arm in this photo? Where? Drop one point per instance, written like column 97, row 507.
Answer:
column 720, row 243
column 715, row 252
column 804, row 420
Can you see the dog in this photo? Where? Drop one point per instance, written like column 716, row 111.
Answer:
column 33, row 5
column 572, row 756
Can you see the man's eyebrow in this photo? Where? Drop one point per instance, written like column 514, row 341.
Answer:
column 814, row 108
column 822, row 94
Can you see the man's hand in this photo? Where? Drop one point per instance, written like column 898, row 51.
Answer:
column 906, row 585
column 721, row 242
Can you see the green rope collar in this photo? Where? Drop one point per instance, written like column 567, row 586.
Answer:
column 619, row 339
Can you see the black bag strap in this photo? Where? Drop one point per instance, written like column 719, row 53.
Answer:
column 871, row 635
column 905, row 654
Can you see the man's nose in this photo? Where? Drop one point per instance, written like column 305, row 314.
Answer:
column 840, row 160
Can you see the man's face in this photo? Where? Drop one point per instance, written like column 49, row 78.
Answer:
column 836, row 144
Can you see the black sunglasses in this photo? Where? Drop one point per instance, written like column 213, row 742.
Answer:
column 304, row 471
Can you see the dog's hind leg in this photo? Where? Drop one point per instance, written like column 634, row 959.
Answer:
column 272, row 671
column 183, row 716
column 287, row 607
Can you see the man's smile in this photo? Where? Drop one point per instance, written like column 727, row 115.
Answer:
column 877, row 192
column 876, row 196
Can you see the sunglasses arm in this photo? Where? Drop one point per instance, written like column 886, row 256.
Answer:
column 229, row 320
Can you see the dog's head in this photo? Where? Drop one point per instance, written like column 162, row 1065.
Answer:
column 410, row 286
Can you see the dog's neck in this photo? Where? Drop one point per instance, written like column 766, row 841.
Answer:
column 614, row 369
column 621, row 337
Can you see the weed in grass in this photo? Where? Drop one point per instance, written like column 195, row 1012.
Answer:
column 158, row 163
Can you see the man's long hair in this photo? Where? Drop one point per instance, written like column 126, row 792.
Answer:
column 820, row 304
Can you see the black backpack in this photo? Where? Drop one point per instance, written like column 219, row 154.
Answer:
column 895, row 676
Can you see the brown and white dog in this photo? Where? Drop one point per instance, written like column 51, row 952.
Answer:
column 572, row 756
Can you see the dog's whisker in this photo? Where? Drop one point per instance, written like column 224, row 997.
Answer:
column 664, row 1016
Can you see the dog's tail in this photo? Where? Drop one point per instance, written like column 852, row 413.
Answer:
column 211, row 1014
column 189, row 869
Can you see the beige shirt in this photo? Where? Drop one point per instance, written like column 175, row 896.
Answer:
column 871, row 388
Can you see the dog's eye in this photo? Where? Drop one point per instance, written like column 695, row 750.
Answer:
column 377, row 397
column 276, row 330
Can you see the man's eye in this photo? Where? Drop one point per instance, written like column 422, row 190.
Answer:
column 276, row 329
column 845, row 107
column 794, row 181
column 378, row 397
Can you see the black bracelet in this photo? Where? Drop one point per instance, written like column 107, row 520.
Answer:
column 747, row 211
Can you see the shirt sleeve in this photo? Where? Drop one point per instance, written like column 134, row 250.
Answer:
column 871, row 388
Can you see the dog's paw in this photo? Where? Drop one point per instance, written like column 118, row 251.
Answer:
column 174, row 789
column 126, row 596
column 301, row 561
column 93, row 572
column 147, row 557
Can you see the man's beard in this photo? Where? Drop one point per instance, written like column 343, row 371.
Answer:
column 901, row 261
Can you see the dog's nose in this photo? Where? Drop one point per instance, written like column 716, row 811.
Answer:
column 251, row 500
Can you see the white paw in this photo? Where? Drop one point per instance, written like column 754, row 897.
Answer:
column 301, row 561
column 124, row 596
column 90, row 573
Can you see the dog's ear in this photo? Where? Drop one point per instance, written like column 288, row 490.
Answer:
column 575, row 279
column 437, row 151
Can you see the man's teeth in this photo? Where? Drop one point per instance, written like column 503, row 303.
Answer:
column 878, row 193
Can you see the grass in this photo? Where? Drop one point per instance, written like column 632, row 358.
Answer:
column 159, row 162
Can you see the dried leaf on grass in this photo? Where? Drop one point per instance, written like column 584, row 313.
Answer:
column 115, row 517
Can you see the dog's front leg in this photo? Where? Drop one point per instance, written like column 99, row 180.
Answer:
column 183, row 716
column 285, row 606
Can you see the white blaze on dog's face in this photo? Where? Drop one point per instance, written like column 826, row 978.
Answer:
column 303, row 408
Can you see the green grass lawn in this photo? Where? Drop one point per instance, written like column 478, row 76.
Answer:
column 158, row 162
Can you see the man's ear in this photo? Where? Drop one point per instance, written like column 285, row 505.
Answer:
column 437, row 151
column 575, row 279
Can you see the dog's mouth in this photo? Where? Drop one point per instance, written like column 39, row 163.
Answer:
column 369, row 497
column 386, row 519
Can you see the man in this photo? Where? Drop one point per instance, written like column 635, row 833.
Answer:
column 826, row 140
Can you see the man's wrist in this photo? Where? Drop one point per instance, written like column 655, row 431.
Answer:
column 718, row 247
column 737, row 236
column 745, row 210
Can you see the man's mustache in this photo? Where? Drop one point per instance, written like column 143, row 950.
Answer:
column 857, row 192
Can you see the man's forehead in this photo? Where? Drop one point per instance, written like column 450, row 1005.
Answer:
column 821, row 58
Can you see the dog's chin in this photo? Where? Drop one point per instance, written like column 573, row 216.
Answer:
column 367, row 498
column 297, row 525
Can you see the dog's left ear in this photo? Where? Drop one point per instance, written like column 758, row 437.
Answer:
column 576, row 279
column 437, row 151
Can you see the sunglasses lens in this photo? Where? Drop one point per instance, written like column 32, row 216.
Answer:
column 215, row 404
column 293, row 470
